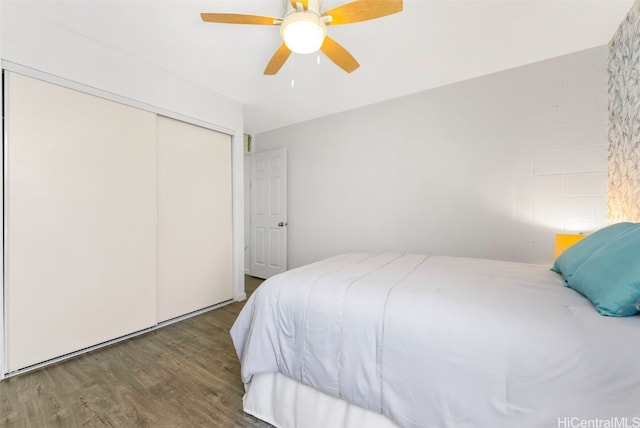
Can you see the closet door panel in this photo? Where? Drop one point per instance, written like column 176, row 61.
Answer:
column 195, row 249
column 80, row 220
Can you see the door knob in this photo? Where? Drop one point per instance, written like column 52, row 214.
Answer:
column 281, row 224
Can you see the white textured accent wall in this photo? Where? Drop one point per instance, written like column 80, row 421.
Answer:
column 491, row 167
column 624, row 126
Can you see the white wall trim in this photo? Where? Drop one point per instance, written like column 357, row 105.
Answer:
column 41, row 75
column 2, row 300
column 237, row 183
column 3, row 309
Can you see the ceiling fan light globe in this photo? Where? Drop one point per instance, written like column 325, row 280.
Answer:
column 303, row 32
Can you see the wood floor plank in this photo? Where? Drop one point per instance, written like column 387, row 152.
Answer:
column 183, row 375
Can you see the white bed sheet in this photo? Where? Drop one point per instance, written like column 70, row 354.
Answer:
column 443, row 342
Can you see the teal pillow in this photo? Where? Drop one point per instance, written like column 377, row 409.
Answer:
column 610, row 278
column 571, row 258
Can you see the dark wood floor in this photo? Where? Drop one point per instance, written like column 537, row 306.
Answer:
column 182, row 375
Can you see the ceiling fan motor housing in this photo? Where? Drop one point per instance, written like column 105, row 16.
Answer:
column 303, row 31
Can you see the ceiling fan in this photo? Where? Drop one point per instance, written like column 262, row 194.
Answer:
column 303, row 28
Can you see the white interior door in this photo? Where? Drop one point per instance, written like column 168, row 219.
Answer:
column 269, row 213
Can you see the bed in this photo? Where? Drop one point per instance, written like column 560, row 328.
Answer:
column 409, row 340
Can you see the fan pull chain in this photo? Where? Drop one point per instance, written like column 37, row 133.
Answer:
column 318, row 59
column 293, row 61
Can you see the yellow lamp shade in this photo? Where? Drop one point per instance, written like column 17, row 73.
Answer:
column 564, row 241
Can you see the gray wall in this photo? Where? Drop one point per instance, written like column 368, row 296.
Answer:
column 490, row 167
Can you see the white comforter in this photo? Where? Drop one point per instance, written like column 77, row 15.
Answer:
column 445, row 342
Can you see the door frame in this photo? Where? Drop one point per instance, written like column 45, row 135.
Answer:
column 283, row 218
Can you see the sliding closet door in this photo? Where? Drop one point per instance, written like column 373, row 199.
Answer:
column 195, row 267
column 80, row 220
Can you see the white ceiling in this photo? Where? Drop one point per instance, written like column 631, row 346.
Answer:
column 429, row 44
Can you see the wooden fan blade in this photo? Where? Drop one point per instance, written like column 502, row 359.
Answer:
column 339, row 55
column 236, row 18
column 362, row 10
column 277, row 60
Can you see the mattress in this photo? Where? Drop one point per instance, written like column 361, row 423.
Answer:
column 433, row 341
